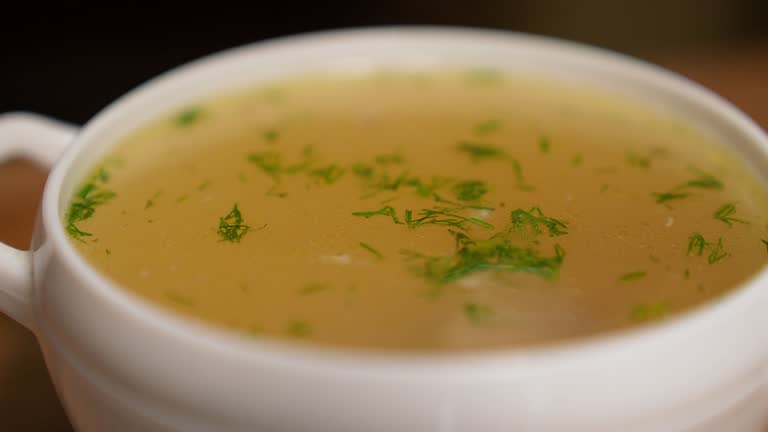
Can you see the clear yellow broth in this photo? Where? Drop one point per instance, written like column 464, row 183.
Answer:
column 430, row 211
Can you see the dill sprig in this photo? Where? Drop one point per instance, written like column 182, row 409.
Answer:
column 697, row 245
column 724, row 214
column 497, row 255
column 470, row 190
column 480, row 151
column 477, row 313
column 231, row 227
column 371, row 249
column 701, row 181
column 632, row 276
column 528, row 223
column 91, row 195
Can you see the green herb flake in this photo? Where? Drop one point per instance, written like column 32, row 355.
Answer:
column 299, row 329
column 313, row 289
column 697, row 245
column 362, row 169
column 231, row 227
column 544, row 144
column 703, row 181
column 765, row 242
column 632, row 276
column 182, row 198
column 687, row 274
column 648, row 312
column 496, row 254
column 188, row 116
column 517, row 170
column 269, row 162
column 478, row 314
column 370, row 249
column 204, row 185
column 486, row 127
column 329, row 174
column 270, row 135
column 528, row 223
column 636, row 160
column 151, row 202
column 384, row 211
column 389, row 159
column 724, row 214
column 91, row 195
column 577, row 160
column 76, row 233
column 479, row 151
column 665, row 197
column 470, row 190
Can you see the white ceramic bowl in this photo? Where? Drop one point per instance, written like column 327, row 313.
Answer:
column 121, row 364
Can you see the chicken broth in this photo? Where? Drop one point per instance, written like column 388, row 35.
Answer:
column 429, row 211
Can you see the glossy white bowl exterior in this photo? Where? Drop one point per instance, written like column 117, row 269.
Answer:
column 122, row 365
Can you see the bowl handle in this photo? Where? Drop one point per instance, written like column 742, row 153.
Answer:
column 40, row 139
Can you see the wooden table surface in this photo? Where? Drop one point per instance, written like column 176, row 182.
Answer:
column 28, row 402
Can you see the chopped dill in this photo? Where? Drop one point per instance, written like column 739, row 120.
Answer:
column 479, row 151
column 108, row 252
column 461, row 206
column 182, row 198
column 470, row 190
column 384, row 211
column 577, row 160
column 544, row 144
column 329, row 174
column 269, row 161
column 427, row 189
column 151, row 202
column 370, row 249
column 528, row 223
column 486, row 127
column 270, row 135
column 636, row 160
column 241, row 176
column 724, row 214
column 362, row 169
column 389, row 159
column 697, row 245
column 645, row 312
column 442, row 217
column 632, row 276
column 204, row 185
column 495, row 254
column 702, row 181
column 664, row 197
column 478, row 313
column 188, row 116
column 91, row 195
column 231, row 226
column 76, row 233
column 312, row 289
column 517, row 170
column 687, row 274
column 299, row 329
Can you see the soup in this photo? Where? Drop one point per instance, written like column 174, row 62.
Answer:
column 444, row 210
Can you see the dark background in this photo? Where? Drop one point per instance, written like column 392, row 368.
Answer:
column 70, row 59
